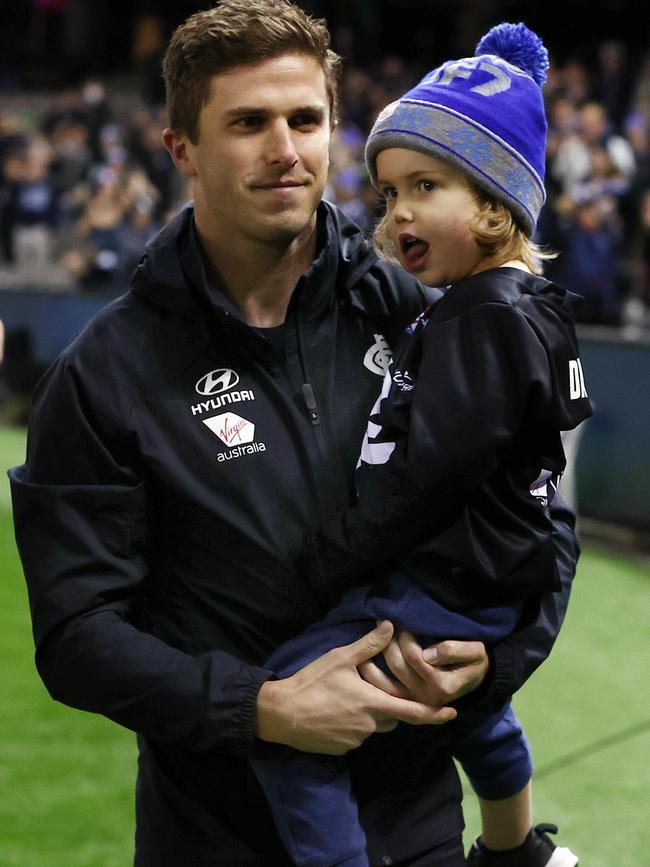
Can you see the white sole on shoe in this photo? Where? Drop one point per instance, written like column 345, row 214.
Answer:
column 562, row 857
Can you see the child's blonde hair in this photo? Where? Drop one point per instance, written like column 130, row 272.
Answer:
column 495, row 229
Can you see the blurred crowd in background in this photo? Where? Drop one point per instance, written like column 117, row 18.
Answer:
column 85, row 180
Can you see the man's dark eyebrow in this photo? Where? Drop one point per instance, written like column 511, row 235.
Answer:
column 246, row 110
column 310, row 109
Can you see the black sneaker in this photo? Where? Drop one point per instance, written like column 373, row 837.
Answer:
column 538, row 850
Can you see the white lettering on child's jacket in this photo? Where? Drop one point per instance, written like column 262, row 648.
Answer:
column 576, row 380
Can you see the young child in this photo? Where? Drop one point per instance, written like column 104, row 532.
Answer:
column 463, row 453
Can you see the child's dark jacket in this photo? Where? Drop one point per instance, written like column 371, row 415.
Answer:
column 463, row 451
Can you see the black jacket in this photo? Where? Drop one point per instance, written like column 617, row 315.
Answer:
column 463, row 451
column 160, row 551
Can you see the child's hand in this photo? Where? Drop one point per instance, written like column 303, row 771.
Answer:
column 459, row 666
column 435, row 676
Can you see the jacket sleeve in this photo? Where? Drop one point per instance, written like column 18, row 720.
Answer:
column 517, row 657
column 82, row 527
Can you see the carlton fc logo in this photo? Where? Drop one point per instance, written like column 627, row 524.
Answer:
column 378, row 357
column 217, row 381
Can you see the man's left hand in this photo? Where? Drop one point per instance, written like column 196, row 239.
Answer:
column 435, row 675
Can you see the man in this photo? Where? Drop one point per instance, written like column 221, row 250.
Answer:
column 183, row 450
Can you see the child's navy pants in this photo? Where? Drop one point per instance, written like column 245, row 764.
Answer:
column 310, row 795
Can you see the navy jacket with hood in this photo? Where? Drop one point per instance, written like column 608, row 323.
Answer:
column 463, row 451
column 175, row 465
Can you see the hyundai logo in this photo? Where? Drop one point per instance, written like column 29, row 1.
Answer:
column 217, row 381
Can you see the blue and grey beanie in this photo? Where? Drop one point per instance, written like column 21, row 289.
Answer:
column 485, row 114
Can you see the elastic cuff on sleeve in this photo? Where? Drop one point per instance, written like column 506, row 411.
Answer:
column 248, row 708
column 498, row 688
column 490, row 694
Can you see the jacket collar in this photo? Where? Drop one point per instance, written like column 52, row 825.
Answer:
column 172, row 272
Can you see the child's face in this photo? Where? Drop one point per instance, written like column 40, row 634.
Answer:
column 430, row 207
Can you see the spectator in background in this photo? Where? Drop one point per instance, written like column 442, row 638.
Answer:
column 639, row 113
column 590, row 238
column 604, row 178
column 98, row 229
column 633, row 213
column 573, row 163
column 573, row 82
column 613, row 82
column 114, row 227
column 13, row 135
column 592, row 170
column 394, row 77
column 14, row 140
column 149, row 40
column 32, row 210
column 638, row 134
column 71, row 165
column 66, row 107
column 87, row 106
column 355, row 101
column 97, row 113
column 11, row 174
column 347, row 186
column 562, row 124
column 133, row 234
column 348, row 180
column 564, row 120
column 146, row 147
column 638, row 308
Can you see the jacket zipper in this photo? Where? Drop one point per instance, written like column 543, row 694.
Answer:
column 308, row 393
column 324, row 498
column 310, row 403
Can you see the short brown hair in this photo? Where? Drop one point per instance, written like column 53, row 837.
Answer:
column 496, row 231
column 233, row 33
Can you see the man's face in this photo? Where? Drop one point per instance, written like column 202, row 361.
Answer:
column 260, row 163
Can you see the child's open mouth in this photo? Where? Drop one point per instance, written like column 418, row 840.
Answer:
column 414, row 250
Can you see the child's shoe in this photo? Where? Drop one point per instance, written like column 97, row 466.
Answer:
column 538, row 850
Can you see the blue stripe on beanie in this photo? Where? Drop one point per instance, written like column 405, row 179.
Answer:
column 485, row 114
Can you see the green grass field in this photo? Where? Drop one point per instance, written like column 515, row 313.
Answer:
column 66, row 778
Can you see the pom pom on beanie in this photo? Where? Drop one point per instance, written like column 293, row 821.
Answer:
column 519, row 46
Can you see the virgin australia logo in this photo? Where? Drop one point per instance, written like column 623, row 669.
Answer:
column 217, row 381
column 237, row 433
column 231, row 428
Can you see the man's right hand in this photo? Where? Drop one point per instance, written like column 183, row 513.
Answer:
column 327, row 707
